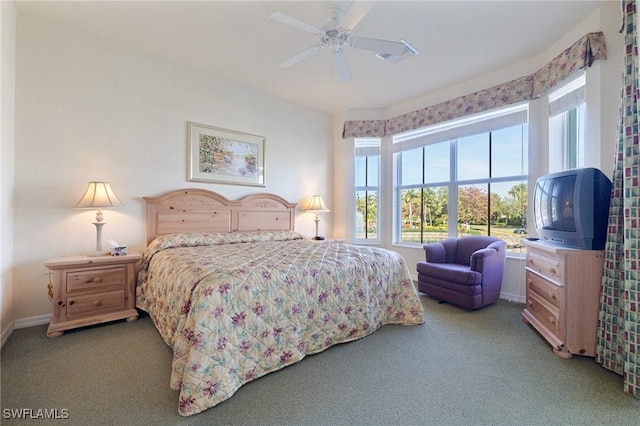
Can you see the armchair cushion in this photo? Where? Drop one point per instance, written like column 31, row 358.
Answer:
column 453, row 272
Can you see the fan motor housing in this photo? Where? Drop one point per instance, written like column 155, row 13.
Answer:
column 334, row 37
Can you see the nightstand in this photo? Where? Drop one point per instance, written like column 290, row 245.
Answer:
column 91, row 290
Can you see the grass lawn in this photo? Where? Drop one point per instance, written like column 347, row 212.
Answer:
column 514, row 240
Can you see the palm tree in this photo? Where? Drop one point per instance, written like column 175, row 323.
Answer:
column 411, row 207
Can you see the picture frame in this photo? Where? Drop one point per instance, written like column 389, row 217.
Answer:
column 217, row 155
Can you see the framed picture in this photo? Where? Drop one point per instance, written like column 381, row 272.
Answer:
column 224, row 156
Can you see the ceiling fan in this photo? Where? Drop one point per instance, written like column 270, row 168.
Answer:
column 336, row 35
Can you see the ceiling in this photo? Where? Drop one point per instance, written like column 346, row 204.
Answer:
column 237, row 41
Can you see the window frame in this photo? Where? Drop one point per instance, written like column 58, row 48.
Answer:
column 450, row 133
column 367, row 148
column 566, row 103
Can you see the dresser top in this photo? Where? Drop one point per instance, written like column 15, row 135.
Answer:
column 554, row 248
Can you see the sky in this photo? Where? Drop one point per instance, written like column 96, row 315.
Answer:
column 509, row 158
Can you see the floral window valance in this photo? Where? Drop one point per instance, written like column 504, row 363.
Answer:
column 580, row 55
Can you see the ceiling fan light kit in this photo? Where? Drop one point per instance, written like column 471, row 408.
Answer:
column 336, row 34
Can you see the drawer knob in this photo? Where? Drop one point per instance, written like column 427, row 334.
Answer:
column 97, row 303
column 552, row 271
column 71, row 302
column 97, row 280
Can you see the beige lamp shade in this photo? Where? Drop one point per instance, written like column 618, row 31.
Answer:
column 316, row 205
column 98, row 195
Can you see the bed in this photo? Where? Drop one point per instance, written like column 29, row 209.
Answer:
column 236, row 293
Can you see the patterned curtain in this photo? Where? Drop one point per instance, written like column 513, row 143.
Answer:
column 580, row 55
column 618, row 345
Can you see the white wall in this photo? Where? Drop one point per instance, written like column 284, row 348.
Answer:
column 88, row 109
column 7, row 126
column 602, row 98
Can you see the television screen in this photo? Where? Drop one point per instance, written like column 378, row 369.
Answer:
column 562, row 204
column 542, row 216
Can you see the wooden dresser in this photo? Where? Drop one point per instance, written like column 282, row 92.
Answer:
column 91, row 290
column 563, row 293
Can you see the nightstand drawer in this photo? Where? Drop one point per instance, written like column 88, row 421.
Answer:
column 91, row 304
column 88, row 290
column 96, row 280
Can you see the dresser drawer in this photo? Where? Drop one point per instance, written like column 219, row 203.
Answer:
column 545, row 312
column 550, row 267
column 96, row 280
column 550, row 292
column 91, row 304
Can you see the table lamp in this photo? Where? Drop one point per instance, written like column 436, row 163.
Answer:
column 98, row 195
column 316, row 205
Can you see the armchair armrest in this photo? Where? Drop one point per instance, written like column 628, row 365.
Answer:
column 488, row 257
column 435, row 252
column 478, row 258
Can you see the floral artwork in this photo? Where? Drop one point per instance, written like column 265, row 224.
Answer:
column 227, row 156
column 224, row 156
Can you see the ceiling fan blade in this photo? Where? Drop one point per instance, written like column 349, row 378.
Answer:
column 354, row 14
column 341, row 65
column 307, row 53
column 375, row 45
column 293, row 22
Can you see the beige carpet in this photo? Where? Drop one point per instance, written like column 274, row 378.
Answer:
column 459, row 368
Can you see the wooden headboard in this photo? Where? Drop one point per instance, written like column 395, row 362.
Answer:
column 199, row 210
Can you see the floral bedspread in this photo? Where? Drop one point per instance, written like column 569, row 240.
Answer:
column 234, row 307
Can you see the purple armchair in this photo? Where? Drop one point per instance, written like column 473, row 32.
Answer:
column 465, row 271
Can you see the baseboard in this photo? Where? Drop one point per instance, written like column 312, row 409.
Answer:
column 23, row 323
column 517, row 298
column 6, row 333
column 32, row 321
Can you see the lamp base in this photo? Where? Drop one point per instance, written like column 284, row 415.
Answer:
column 97, row 253
column 318, row 238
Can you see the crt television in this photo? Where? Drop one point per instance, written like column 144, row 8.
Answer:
column 571, row 208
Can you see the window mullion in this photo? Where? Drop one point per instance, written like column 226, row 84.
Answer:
column 489, row 183
column 366, row 199
column 452, row 207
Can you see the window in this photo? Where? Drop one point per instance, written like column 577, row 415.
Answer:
column 567, row 111
column 367, row 181
column 467, row 176
column 424, row 193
